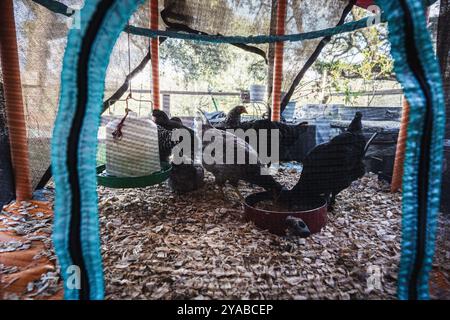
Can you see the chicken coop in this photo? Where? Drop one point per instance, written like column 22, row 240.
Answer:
column 108, row 194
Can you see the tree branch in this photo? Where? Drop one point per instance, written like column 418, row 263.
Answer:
column 175, row 26
column 313, row 58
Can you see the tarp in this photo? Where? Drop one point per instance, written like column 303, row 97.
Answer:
column 26, row 271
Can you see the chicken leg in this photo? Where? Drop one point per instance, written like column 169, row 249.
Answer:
column 222, row 192
column 331, row 201
column 239, row 194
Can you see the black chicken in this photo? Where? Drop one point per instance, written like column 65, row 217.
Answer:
column 186, row 178
column 331, row 167
column 297, row 227
column 176, row 119
column 288, row 134
column 162, row 119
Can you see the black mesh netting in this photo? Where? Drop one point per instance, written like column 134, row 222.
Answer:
column 42, row 40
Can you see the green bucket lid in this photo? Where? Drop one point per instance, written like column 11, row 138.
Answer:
column 133, row 182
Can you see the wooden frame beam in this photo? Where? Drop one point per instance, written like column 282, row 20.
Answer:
column 14, row 101
column 278, row 62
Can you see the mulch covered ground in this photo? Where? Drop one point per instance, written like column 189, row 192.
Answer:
column 198, row 246
column 28, row 266
column 157, row 245
column 440, row 274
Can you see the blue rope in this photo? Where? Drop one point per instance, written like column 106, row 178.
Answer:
column 58, row 7
column 347, row 27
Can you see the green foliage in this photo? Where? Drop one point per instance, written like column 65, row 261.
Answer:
column 258, row 71
column 361, row 55
column 195, row 61
column 350, row 63
column 373, row 66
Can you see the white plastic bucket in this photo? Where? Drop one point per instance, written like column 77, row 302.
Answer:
column 137, row 152
column 257, row 93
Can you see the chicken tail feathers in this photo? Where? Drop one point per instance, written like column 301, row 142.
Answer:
column 356, row 125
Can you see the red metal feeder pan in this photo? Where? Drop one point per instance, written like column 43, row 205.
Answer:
column 274, row 221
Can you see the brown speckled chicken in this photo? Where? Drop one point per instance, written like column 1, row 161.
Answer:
column 233, row 118
column 234, row 172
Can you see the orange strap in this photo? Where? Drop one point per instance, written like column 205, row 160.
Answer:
column 278, row 62
column 154, row 47
column 397, row 174
column 14, row 101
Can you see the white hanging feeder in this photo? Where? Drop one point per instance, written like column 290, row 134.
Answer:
column 132, row 147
